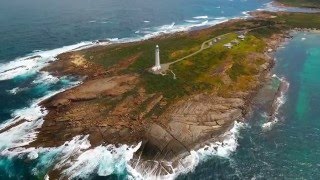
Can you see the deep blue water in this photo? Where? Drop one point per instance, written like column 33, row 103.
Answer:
column 32, row 27
column 43, row 24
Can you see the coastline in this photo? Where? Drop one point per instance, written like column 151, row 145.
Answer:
column 93, row 72
column 91, row 76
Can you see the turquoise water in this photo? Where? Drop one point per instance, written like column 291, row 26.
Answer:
column 291, row 149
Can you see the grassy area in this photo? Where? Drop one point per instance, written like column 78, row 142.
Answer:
column 207, row 70
column 216, row 69
column 299, row 20
column 301, row 3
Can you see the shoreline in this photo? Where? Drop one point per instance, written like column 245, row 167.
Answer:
column 101, row 73
column 246, row 107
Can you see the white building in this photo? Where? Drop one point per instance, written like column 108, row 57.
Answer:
column 228, row 45
column 242, row 37
column 157, row 65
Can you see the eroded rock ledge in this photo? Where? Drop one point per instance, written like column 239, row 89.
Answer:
column 189, row 122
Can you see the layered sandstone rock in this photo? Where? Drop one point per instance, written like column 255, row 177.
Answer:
column 192, row 121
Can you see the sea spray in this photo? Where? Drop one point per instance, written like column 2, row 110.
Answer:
column 45, row 77
column 101, row 160
column 21, row 129
column 14, row 91
column 200, row 17
column 222, row 148
column 77, row 159
column 34, row 62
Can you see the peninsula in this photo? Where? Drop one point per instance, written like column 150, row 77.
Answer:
column 207, row 82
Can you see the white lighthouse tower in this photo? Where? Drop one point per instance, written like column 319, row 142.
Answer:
column 157, row 65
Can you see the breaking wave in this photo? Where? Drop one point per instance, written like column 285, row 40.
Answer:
column 173, row 27
column 200, row 17
column 35, row 61
column 45, row 77
column 223, row 148
column 21, row 129
column 192, row 21
column 77, row 159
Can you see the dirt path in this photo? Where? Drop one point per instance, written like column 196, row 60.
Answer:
column 205, row 45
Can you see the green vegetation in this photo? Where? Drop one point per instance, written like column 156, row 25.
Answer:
column 299, row 20
column 301, row 3
column 193, row 74
column 207, row 70
column 216, row 69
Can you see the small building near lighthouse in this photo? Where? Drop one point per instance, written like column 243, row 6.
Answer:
column 157, row 65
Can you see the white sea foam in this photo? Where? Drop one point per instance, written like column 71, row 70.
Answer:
column 172, row 28
column 102, row 160
column 200, row 17
column 166, row 27
column 46, row 177
column 24, row 133
column 25, row 123
column 222, row 148
column 246, row 13
column 268, row 125
column 34, row 62
column 45, row 77
column 14, row 91
column 192, row 21
column 227, row 146
column 77, row 159
column 221, row 18
column 279, row 101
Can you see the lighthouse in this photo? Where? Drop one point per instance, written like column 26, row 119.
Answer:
column 157, row 65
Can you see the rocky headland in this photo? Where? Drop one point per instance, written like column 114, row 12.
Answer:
column 121, row 102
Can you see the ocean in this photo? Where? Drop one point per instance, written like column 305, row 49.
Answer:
column 33, row 32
